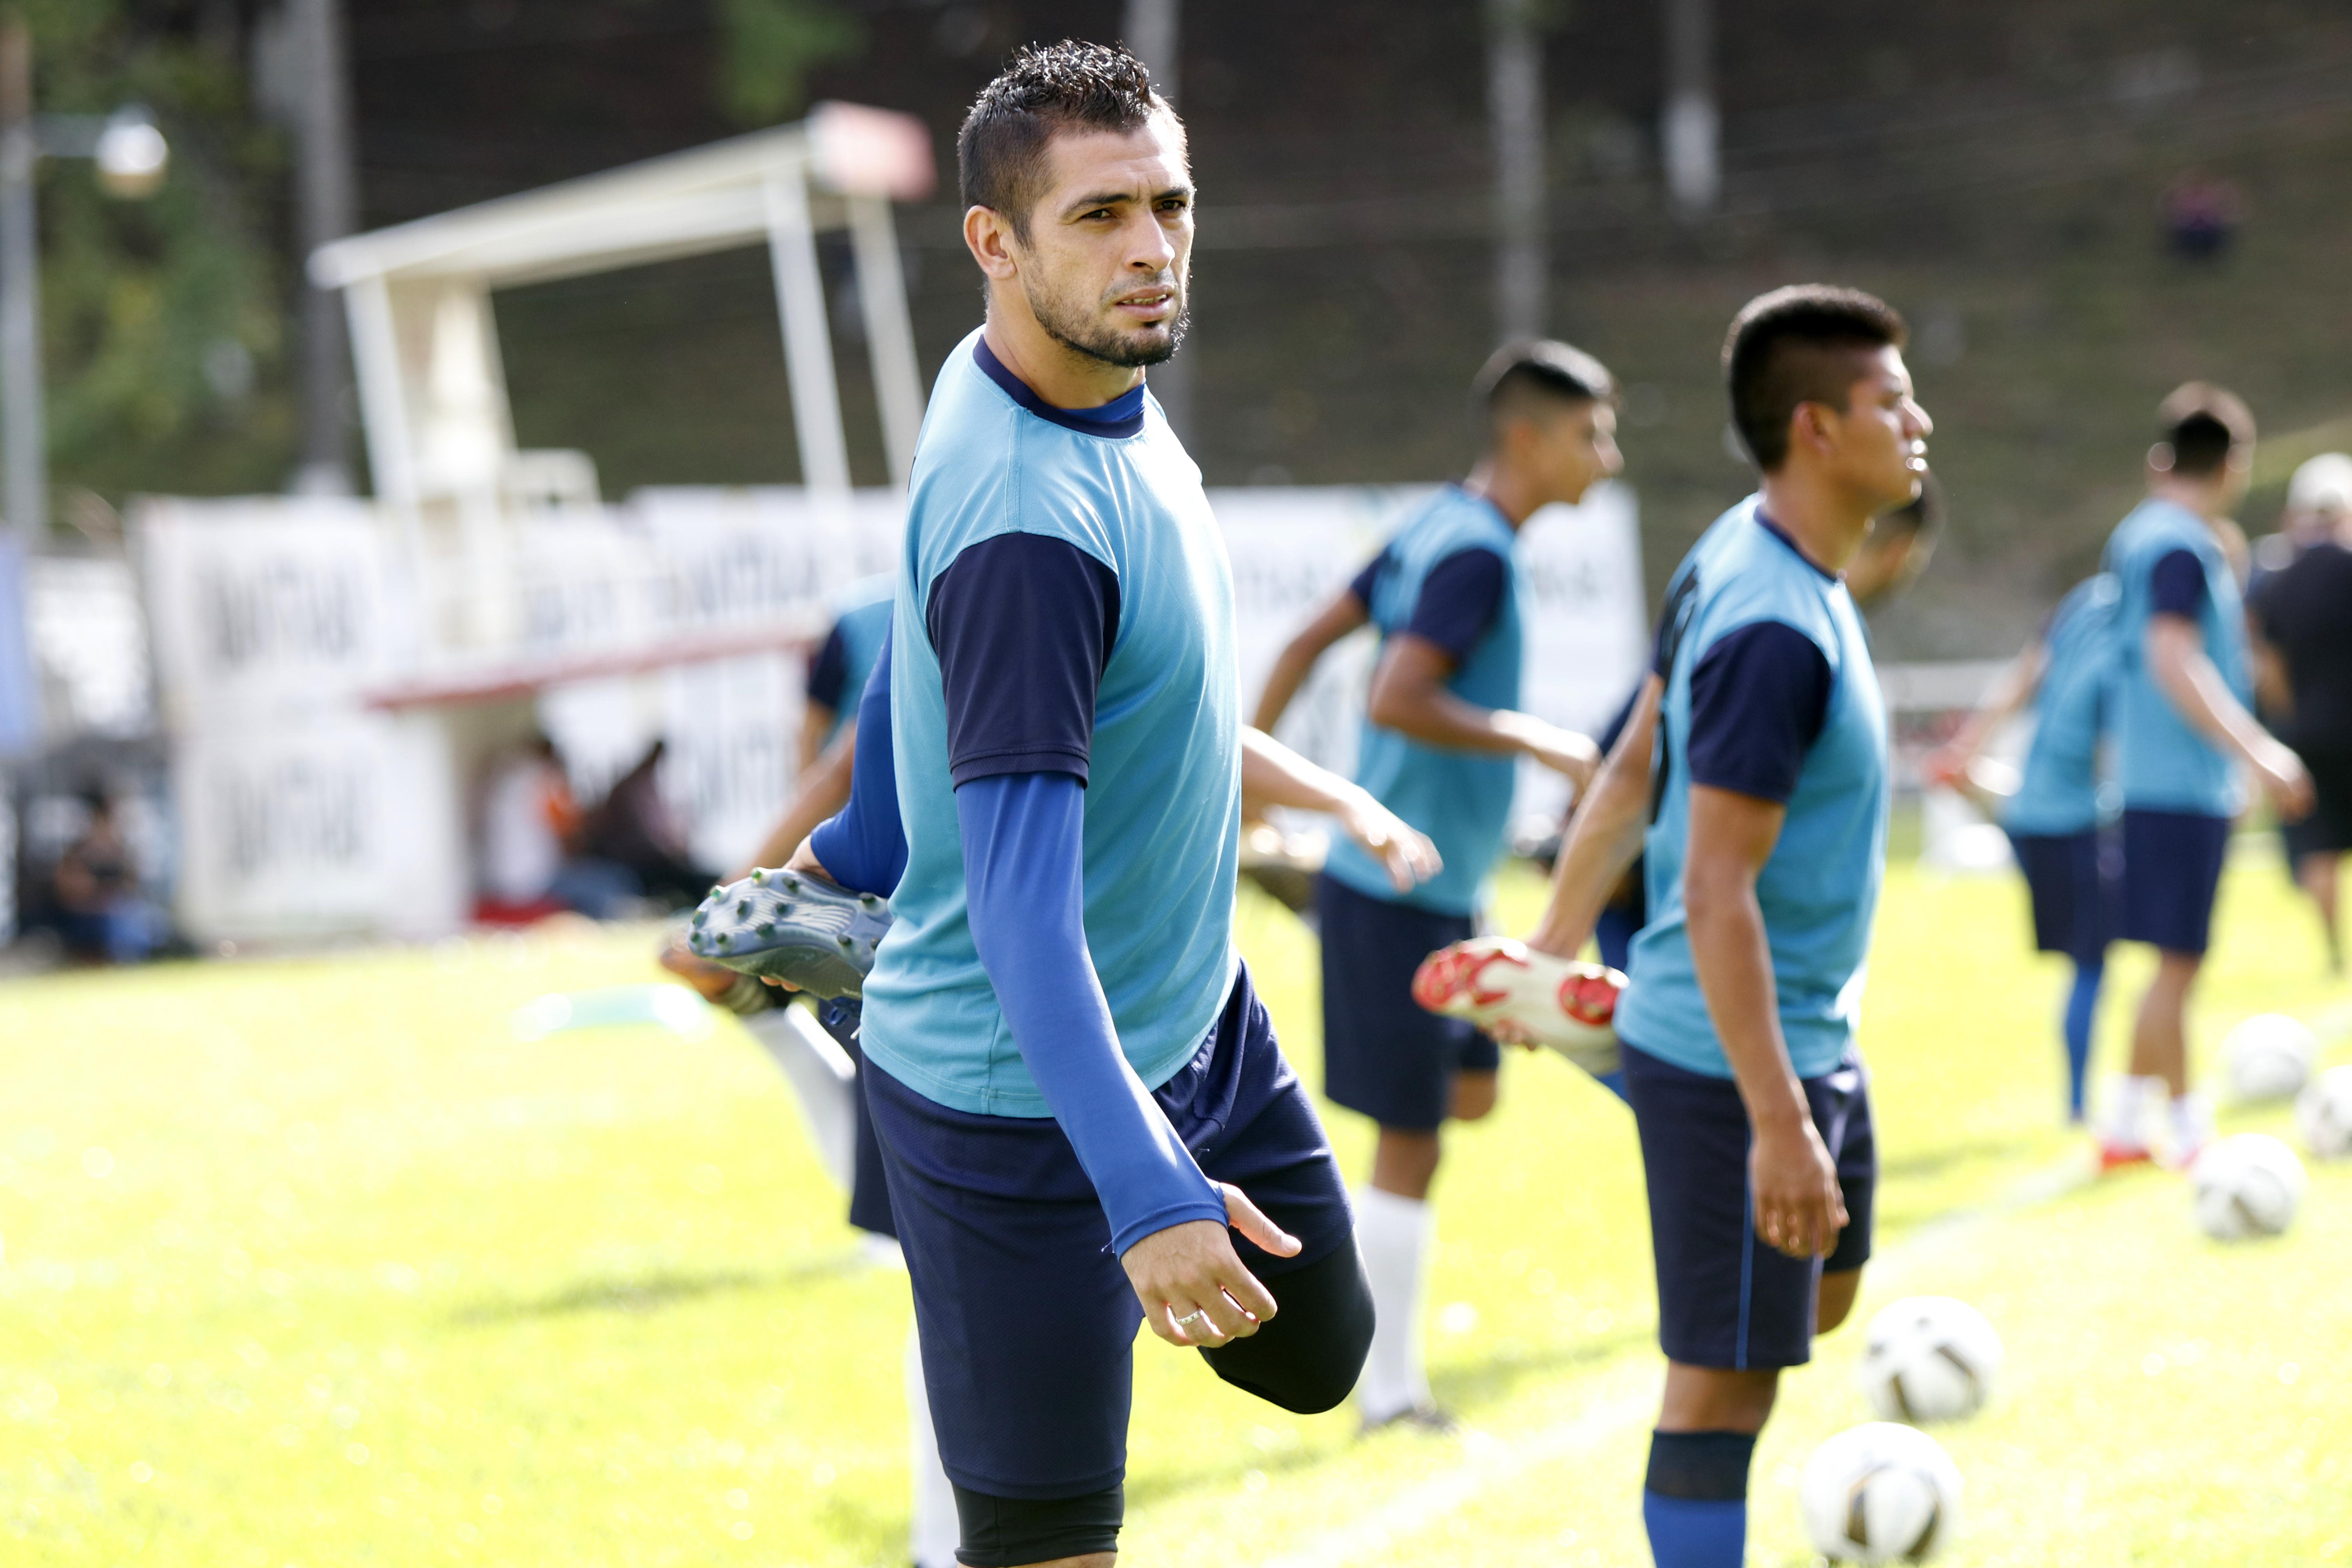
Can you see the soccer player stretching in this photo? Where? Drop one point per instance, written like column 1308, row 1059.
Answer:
column 1442, row 735
column 1762, row 732
column 1072, row 1080
column 2067, row 674
column 2182, row 730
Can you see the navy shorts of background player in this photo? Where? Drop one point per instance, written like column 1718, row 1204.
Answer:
column 1064, row 1052
column 1770, row 693
column 1448, row 576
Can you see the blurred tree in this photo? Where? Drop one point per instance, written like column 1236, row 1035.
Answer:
column 163, row 320
column 768, row 47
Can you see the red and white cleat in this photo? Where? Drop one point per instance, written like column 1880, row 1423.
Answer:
column 1516, row 994
column 2122, row 1156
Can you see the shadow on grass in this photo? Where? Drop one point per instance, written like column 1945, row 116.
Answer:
column 1467, row 1392
column 653, row 1292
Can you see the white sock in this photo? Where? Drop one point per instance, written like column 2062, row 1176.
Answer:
column 2127, row 1114
column 823, row 1079
column 1394, row 1235
column 933, row 1532
column 2192, row 1123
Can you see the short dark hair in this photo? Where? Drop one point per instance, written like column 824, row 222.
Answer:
column 2203, row 424
column 1531, row 370
column 1797, row 345
column 1041, row 91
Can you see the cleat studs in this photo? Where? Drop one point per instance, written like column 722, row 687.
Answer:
column 759, row 877
column 742, row 907
column 844, row 942
column 724, row 938
column 767, row 931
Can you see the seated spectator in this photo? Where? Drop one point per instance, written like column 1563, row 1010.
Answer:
column 634, row 833
column 103, row 913
column 528, row 819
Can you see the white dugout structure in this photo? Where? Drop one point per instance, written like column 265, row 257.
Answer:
column 335, row 673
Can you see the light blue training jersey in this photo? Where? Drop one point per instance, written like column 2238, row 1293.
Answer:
column 1162, row 835
column 2161, row 763
column 1819, row 888
column 2058, row 792
column 1461, row 799
column 861, row 613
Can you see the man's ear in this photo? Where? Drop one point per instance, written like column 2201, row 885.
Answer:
column 989, row 236
column 1812, row 426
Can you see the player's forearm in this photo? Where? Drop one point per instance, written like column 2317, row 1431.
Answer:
column 1273, row 775
column 2186, row 675
column 823, row 791
column 1435, row 717
column 1338, row 617
column 1023, row 840
column 1603, row 839
column 1733, row 959
column 2011, row 691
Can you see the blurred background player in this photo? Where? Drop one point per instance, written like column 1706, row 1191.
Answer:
column 2184, row 680
column 2052, row 815
column 843, row 663
column 1442, row 734
column 1761, row 739
column 2300, row 615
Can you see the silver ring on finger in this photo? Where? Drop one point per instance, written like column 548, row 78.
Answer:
column 1197, row 1315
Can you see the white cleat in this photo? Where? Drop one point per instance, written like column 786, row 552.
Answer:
column 1506, row 988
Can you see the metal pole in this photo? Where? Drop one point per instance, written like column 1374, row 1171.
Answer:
column 23, row 439
column 1515, row 120
column 889, row 334
column 329, row 204
column 1691, row 134
column 808, row 340
column 1154, row 31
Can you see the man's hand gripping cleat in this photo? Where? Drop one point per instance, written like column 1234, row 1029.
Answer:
column 791, row 926
column 1527, row 997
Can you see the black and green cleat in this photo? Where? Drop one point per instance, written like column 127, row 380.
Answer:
column 803, row 929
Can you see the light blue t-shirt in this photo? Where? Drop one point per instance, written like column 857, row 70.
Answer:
column 861, row 617
column 2162, row 764
column 2058, row 792
column 1461, row 799
column 1819, row 888
column 1163, row 828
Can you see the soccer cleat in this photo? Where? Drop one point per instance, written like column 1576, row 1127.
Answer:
column 2122, row 1156
column 1497, row 982
column 804, row 930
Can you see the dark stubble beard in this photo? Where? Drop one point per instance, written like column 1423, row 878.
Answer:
column 1081, row 332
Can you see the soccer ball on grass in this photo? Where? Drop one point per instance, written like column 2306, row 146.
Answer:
column 2324, row 1114
column 2269, row 1055
column 2247, row 1184
column 1928, row 1358
column 1880, row 1493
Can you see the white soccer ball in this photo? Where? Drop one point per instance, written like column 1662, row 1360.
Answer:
column 2246, row 1184
column 2324, row 1114
column 2269, row 1055
column 1928, row 1358
column 1880, row 1493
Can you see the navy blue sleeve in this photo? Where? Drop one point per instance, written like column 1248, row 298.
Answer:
column 1607, row 741
column 1023, row 626
column 1366, row 582
column 1023, row 879
column 2176, row 585
column 1757, row 699
column 863, row 846
column 1459, row 599
column 828, row 673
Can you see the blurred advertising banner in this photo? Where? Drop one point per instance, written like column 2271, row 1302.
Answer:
column 261, row 606
column 326, row 828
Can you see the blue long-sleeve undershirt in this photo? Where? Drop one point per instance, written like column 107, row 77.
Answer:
column 863, row 846
column 1024, row 876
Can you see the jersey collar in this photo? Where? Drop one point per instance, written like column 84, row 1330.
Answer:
column 1120, row 417
column 1777, row 532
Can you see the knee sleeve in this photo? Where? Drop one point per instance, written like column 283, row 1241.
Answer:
column 1307, row 1356
column 1007, row 1533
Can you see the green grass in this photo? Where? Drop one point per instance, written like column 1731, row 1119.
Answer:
column 311, row 1262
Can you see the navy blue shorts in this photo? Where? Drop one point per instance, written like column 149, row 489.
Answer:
column 2172, row 869
column 1025, row 1316
column 1383, row 1055
column 869, row 1190
column 1726, row 1298
column 2328, row 829
column 2074, row 879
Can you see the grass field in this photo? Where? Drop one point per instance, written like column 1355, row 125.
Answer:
column 311, row 1262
